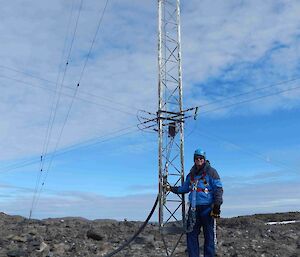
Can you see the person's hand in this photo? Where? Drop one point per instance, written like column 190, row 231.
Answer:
column 216, row 211
column 168, row 188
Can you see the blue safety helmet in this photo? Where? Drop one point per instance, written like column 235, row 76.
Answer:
column 199, row 152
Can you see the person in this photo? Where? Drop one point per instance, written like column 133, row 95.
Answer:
column 205, row 197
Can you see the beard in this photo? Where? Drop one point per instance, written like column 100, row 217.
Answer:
column 200, row 167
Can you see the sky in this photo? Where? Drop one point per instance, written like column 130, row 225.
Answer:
column 240, row 62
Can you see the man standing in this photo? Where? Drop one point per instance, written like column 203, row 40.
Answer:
column 205, row 196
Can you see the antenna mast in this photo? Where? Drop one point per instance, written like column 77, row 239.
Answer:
column 169, row 122
column 170, row 115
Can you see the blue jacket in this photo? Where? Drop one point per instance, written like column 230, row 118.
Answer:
column 208, row 185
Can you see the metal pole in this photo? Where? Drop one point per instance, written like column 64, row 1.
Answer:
column 160, row 128
column 215, row 233
column 180, row 105
column 170, row 113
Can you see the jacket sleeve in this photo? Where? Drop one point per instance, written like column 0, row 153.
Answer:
column 185, row 188
column 217, row 186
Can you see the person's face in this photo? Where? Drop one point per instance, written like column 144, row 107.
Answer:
column 199, row 161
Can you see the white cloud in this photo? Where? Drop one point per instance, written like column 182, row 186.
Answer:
column 240, row 36
column 123, row 65
column 88, row 205
column 238, row 200
column 113, row 72
column 261, row 198
column 228, row 47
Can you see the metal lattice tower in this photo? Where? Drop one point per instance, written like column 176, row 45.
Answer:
column 170, row 115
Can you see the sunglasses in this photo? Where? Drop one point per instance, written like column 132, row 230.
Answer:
column 199, row 158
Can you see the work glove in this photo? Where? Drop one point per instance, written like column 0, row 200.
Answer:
column 216, row 211
column 172, row 189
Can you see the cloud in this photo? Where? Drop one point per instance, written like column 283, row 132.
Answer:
column 88, row 205
column 238, row 200
column 26, row 110
column 229, row 48
column 232, row 48
column 16, row 188
column 261, row 198
column 234, row 45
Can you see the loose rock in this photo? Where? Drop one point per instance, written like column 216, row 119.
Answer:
column 245, row 236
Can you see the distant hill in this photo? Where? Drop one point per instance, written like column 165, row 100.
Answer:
column 244, row 236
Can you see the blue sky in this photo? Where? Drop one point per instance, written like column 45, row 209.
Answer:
column 104, row 170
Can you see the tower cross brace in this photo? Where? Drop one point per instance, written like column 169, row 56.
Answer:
column 170, row 114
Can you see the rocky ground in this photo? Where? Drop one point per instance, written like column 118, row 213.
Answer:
column 240, row 236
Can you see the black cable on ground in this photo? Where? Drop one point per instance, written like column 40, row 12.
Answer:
column 121, row 247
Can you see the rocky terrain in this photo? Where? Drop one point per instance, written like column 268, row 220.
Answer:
column 240, row 236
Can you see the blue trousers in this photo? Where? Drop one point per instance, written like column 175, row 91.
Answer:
column 206, row 222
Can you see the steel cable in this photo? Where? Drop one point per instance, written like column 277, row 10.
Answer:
column 54, row 107
column 77, row 97
column 75, row 92
column 250, row 100
column 82, row 92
